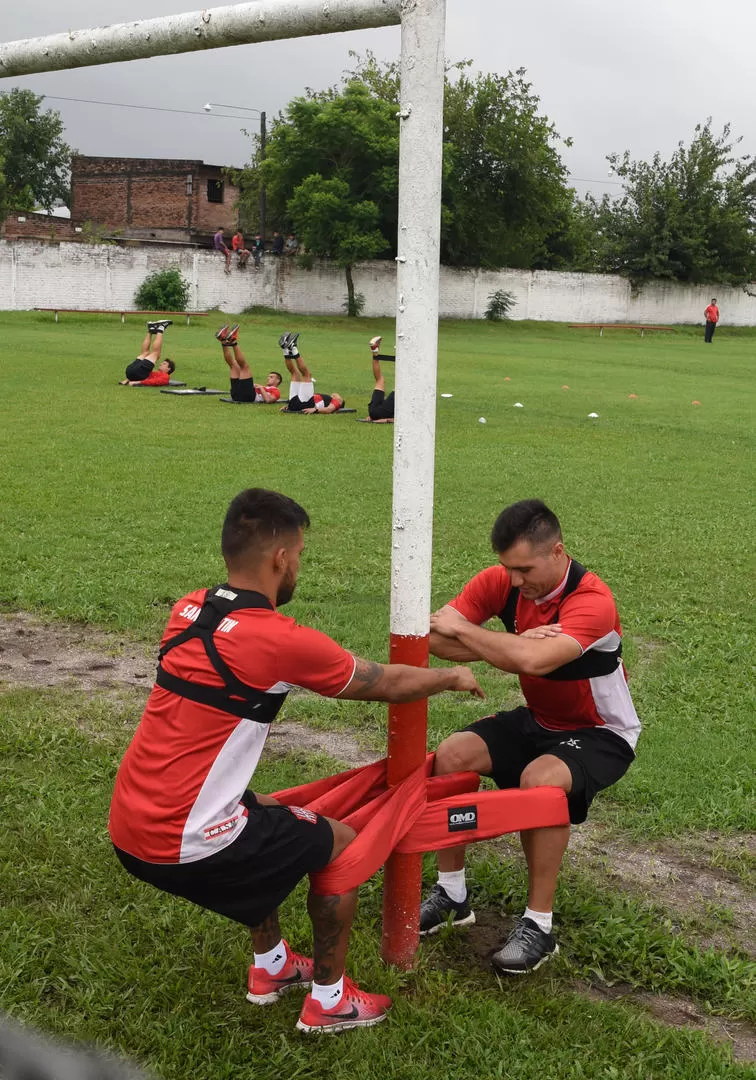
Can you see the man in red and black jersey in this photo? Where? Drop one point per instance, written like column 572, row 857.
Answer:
column 578, row 728
column 243, row 385
column 148, row 369
column 302, row 396
column 182, row 817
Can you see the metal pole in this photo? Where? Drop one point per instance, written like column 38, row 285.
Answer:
column 263, row 197
column 420, row 160
column 212, row 28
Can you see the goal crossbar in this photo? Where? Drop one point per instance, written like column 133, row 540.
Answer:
column 212, row 28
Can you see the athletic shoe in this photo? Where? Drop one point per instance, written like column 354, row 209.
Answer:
column 356, row 1009
column 221, row 334
column 152, row 327
column 375, row 343
column 292, row 342
column 283, row 341
column 440, row 910
column 526, row 948
column 163, row 324
column 265, row 989
column 232, row 336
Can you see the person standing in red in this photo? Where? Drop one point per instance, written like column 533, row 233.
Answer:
column 712, row 318
column 182, row 817
column 578, row 728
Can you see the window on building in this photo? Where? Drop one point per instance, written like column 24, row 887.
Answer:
column 189, row 183
column 215, row 191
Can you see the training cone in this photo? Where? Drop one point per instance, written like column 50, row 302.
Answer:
column 695, row 402
column 482, row 420
column 507, row 378
column 518, row 405
column 593, row 416
column 633, row 397
column 565, row 387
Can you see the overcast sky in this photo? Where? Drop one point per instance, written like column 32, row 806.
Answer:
column 635, row 76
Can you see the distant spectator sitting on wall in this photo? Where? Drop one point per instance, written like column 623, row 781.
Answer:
column 278, row 243
column 258, row 248
column 219, row 244
column 237, row 243
column 292, row 245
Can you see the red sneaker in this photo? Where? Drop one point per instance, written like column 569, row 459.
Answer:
column 265, row 989
column 356, row 1009
column 232, row 336
column 221, row 334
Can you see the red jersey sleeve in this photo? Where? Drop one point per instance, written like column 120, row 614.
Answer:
column 316, row 662
column 274, row 392
column 157, row 378
column 484, row 596
column 589, row 614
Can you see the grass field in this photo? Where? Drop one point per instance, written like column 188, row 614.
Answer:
column 112, row 506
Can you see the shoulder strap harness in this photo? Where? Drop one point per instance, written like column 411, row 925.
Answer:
column 592, row 663
column 234, row 696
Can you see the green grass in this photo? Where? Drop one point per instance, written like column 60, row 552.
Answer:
column 112, row 505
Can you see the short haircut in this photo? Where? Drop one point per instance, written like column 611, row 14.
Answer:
column 278, row 375
column 171, row 366
column 527, row 520
column 713, row 299
column 256, row 518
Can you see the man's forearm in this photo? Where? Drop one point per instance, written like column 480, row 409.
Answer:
column 406, row 683
column 447, row 648
column 505, row 651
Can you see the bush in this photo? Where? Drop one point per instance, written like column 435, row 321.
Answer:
column 356, row 306
column 165, row 290
column 500, row 303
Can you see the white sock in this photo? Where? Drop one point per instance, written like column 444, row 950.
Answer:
column 272, row 961
column 328, row 996
column 542, row 919
column 453, row 884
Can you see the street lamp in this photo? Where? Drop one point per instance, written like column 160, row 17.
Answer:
column 208, row 107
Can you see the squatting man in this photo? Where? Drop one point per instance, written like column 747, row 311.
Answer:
column 578, row 729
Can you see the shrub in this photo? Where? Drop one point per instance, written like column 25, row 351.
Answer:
column 165, row 290
column 500, row 303
column 356, row 306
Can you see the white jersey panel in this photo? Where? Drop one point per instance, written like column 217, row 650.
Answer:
column 217, row 817
column 614, row 705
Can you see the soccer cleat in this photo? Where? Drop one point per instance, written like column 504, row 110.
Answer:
column 283, row 341
column 163, row 324
column 292, row 343
column 375, row 343
column 152, row 327
column 440, row 910
column 356, row 1009
column 232, row 336
column 265, row 989
column 221, row 334
column 526, row 948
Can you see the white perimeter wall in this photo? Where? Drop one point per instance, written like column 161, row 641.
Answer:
column 70, row 275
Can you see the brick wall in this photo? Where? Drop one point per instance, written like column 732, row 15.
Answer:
column 38, row 226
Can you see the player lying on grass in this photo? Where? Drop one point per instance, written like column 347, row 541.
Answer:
column 148, row 369
column 302, row 396
column 380, row 408
column 182, row 817
column 578, row 730
column 243, row 386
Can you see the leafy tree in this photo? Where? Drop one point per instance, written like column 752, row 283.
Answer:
column 692, row 218
column 34, row 158
column 164, row 290
column 332, row 223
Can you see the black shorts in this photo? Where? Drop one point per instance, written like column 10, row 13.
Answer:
column 596, row 758
column 381, row 407
column 295, row 404
column 243, row 390
column 139, row 369
column 247, row 880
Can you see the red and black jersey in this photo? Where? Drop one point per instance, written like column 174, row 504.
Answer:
column 178, row 791
column 588, row 614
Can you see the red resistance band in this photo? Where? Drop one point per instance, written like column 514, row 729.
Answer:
column 423, row 813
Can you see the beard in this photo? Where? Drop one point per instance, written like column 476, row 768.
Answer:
column 285, row 591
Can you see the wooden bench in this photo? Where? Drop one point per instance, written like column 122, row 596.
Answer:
column 601, row 327
column 122, row 312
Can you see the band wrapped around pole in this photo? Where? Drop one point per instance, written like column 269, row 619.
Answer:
column 211, row 28
column 420, row 160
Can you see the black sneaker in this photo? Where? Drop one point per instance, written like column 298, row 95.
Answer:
column 526, row 948
column 440, row 910
column 283, row 341
column 163, row 324
column 152, row 327
column 292, row 343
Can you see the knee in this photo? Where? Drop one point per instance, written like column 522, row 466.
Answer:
column 546, row 771
column 452, row 756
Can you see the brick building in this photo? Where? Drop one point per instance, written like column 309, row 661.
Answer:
column 152, row 198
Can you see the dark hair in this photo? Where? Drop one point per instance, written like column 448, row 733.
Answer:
column 171, row 366
column 255, row 518
column 527, row 520
column 713, row 299
column 278, row 375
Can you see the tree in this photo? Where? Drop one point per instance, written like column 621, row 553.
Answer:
column 332, row 223
column 692, row 218
column 34, row 159
column 505, row 196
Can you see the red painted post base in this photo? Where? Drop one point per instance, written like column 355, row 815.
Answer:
column 407, row 737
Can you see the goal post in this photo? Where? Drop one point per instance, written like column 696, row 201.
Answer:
column 418, row 248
